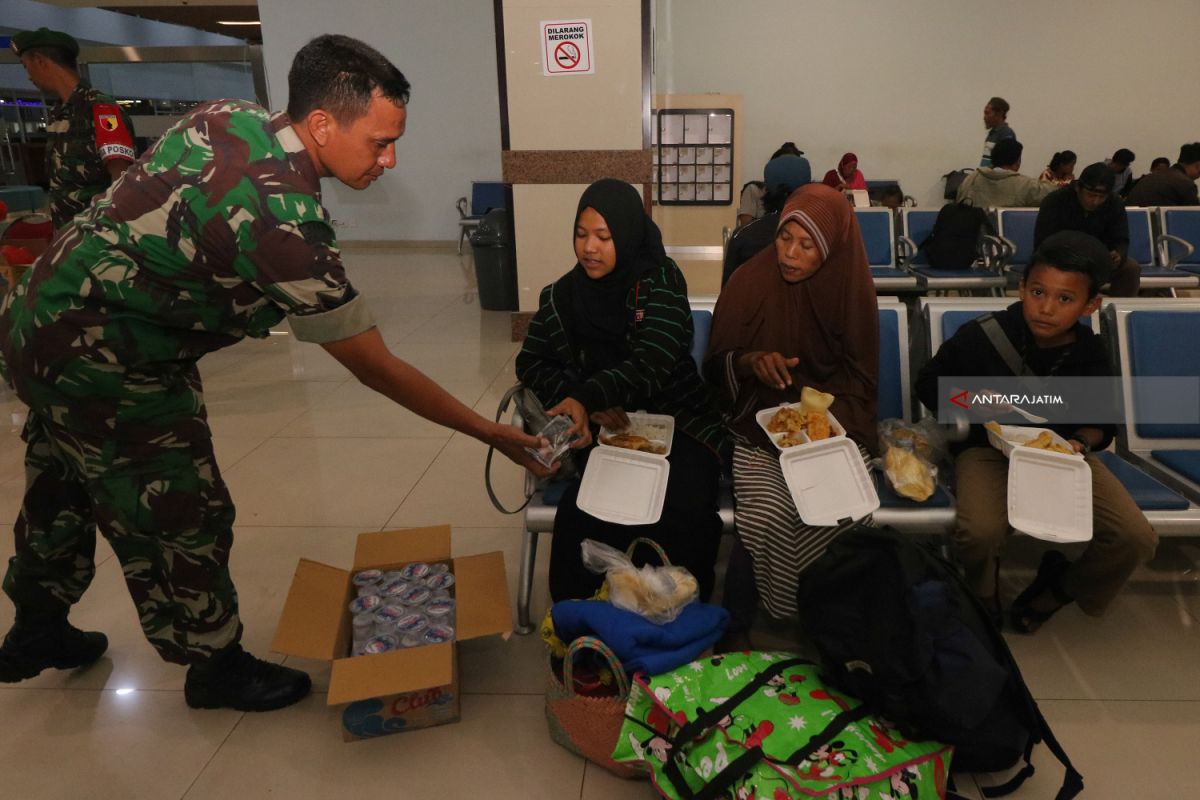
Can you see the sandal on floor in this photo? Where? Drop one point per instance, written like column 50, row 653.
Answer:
column 1023, row 616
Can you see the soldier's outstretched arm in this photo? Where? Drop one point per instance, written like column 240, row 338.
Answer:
column 369, row 360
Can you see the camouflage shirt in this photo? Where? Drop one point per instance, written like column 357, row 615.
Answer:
column 215, row 234
column 85, row 133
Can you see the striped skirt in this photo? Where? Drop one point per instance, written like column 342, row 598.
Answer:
column 769, row 527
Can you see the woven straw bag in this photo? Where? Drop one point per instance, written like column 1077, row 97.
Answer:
column 589, row 726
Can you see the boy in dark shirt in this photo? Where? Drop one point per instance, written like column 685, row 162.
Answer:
column 1060, row 285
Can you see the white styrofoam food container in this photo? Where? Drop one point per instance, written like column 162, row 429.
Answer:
column 658, row 428
column 829, row 481
column 763, row 418
column 1011, row 436
column 629, row 487
column 1050, row 495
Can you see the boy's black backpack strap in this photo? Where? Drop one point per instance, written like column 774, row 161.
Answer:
column 1002, row 344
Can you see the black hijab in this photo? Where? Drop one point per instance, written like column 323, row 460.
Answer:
column 598, row 308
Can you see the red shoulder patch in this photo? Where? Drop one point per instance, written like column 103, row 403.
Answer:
column 113, row 139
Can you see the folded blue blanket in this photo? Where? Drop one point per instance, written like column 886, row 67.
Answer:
column 642, row 645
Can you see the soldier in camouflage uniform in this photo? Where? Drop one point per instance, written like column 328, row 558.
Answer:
column 217, row 233
column 89, row 140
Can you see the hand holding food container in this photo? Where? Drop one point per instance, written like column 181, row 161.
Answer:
column 625, row 480
column 1049, row 484
column 823, row 469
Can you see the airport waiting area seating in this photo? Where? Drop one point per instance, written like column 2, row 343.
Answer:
column 1160, row 467
column 986, row 278
column 485, row 196
column 1179, row 237
column 1159, row 340
column 1148, row 247
column 878, row 227
column 1165, row 242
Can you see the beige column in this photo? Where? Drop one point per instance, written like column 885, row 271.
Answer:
column 564, row 131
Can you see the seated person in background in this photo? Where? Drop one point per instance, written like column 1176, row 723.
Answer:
column 890, row 196
column 1061, row 170
column 1061, row 283
column 614, row 335
column 782, row 176
column 1120, row 166
column 1175, row 186
column 750, row 205
column 847, row 176
column 1088, row 205
column 1002, row 185
column 1160, row 164
column 801, row 313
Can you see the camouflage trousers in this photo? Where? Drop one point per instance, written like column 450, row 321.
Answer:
column 163, row 508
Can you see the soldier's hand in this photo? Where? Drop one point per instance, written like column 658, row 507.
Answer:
column 512, row 442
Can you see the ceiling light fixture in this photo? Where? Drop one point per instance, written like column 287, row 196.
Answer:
column 238, row 22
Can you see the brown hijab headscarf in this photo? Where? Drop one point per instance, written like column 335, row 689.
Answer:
column 829, row 321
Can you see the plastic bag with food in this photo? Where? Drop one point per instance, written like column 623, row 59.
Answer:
column 910, row 454
column 656, row 593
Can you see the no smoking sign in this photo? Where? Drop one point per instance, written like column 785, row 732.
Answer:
column 567, row 47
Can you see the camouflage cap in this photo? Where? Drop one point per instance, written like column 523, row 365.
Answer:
column 44, row 37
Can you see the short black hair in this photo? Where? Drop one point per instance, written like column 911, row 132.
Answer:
column 1189, row 153
column 999, row 104
column 1166, row 162
column 339, row 74
column 59, row 55
column 1124, row 156
column 1074, row 251
column 1006, row 152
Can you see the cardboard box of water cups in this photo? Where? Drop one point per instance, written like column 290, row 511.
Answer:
column 409, row 681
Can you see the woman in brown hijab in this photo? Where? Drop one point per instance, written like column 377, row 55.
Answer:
column 801, row 313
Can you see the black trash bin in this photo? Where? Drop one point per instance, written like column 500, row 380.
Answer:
column 495, row 262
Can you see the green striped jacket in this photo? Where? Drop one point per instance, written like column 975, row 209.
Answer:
column 659, row 376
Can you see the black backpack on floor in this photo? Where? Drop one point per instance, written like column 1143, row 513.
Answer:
column 954, row 241
column 896, row 626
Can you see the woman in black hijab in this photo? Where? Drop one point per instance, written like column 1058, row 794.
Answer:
column 614, row 335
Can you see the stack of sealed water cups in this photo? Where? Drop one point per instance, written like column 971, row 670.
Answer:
column 408, row 607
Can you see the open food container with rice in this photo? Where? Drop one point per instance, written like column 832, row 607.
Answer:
column 625, row 480
column 1049, row 484
column 823, row 468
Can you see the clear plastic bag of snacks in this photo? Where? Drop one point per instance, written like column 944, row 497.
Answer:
column 657, row 593
column 910, row 455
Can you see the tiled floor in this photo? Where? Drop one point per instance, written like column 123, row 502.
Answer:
column 313, row 459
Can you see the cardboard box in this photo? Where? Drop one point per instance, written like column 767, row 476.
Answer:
column 405, row 689
column 11, row 273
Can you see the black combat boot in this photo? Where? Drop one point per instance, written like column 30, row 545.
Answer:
column 37, row 643
column 233, row 678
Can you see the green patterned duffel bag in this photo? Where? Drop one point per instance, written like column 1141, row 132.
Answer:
column 763, row 725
